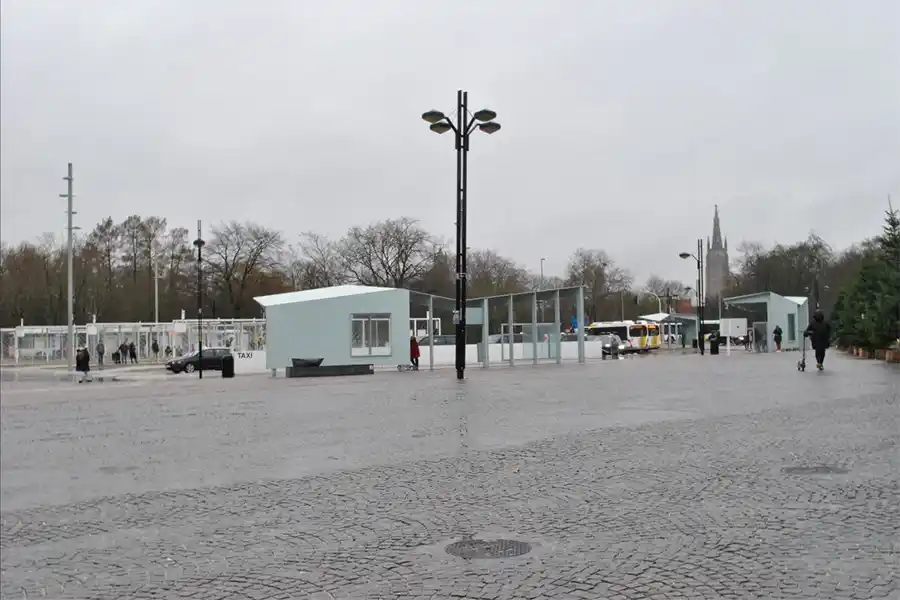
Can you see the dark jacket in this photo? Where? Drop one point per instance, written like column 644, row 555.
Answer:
column 777, row 333
column 819, row 333
column 83, row 361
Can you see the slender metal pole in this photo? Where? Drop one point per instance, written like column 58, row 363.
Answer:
column 702, row 291
column 699, row 315
column 464, row 244
column 155, row 289
column 70, row 303
column 199, row 243
column 460, row 233
column 543, row 302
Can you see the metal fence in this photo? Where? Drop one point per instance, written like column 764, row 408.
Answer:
column 35, row 345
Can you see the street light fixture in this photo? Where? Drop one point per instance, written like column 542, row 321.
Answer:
column 464, row 126
column 484, row 115
column 489, row 128
column 434, row 116
column 699, row 258
column 441, row 127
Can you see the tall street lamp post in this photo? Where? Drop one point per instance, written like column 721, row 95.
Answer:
column 699, row 258
column 199, row 243
column 464, row 126
column 70, row 286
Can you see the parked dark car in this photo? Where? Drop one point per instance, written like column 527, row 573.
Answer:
column 439, row 340
column 212, row 361
column 518, row 338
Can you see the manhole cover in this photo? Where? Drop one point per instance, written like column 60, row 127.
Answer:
column 817, row 470
column 488, row 548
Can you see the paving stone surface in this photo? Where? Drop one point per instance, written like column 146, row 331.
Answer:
column 657, row 478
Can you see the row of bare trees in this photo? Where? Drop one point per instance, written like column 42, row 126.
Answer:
column 115, row 265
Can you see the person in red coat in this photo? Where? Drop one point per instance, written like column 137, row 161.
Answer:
column 414, row 352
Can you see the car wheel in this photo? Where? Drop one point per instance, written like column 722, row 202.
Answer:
column 189, row 368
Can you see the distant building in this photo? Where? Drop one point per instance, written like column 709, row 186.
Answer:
column 717, row 270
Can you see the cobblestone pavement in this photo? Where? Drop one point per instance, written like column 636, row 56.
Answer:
column 652, row 478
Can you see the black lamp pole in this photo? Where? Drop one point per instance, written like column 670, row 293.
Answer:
column 701, row 285
column 464, row 126
column 699, row 259
column 199, row 243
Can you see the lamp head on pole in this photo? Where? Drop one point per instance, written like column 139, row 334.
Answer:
column 485, row 114
column 489, row 127
column 433, row 116
column 440, row 127
column 685, row 255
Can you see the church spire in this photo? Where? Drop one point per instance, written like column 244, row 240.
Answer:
column 717, row 231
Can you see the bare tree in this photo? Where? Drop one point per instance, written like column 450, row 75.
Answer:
column 392, row 253
column 663, row 287
column 132, row 237
column 239, row 256
column 595, row 270
column 320, row 262
column 106, row 238
column 492, row 275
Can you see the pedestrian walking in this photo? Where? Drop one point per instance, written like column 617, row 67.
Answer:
column 83, row 364
column 414, row 352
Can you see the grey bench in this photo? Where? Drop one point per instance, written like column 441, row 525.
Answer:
column 312, row 367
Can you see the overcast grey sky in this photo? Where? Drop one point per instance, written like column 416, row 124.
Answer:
column 623, row 122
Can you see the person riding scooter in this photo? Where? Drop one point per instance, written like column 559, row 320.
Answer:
column 819, row 334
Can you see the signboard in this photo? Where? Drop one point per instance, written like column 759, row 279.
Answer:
column 733, row 327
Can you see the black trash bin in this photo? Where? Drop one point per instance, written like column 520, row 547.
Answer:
column 713, row 345
column 227, row 366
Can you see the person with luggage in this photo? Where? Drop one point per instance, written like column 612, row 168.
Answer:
column 819, row 334
column 414, row 352
column 83, row 364
column 776, row 336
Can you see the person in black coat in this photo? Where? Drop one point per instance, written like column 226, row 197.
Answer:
column 83, row 364
column 819, row 334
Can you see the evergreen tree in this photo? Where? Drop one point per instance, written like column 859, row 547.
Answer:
column 889, row 247
column 867, row 313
